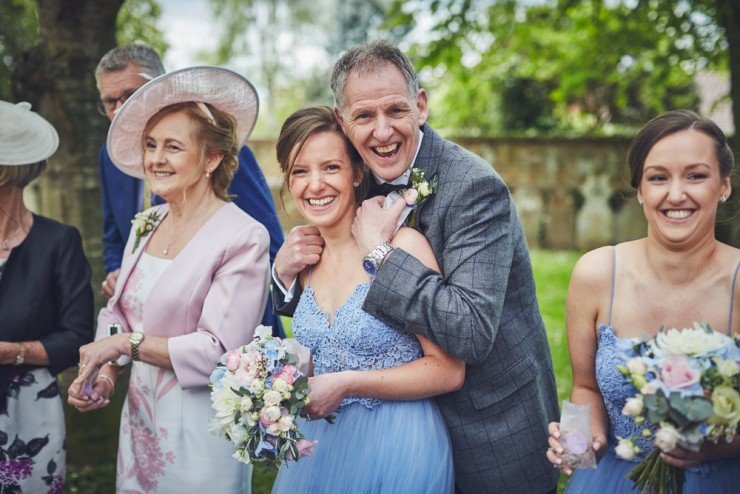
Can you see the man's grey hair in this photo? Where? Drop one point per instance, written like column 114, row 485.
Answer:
column 370, row 57
column 138, row 53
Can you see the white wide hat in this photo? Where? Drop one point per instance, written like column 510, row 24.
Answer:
column 25, row 136
column 219, row 87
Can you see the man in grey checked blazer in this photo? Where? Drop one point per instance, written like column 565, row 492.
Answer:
column 482, row 309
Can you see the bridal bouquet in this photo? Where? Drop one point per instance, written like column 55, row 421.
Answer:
column 687, row 385
column 257, row 392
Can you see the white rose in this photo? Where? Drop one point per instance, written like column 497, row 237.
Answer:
column 626, row 449
column 246, row 404
column 633, row 406
column 423, row 189
column 691, row 341
column 649, row 389
column 637, row 366
column 667, row 437
column 272, row 397
column 727, row 368
column 285, row 423
column 257, row 386
column 271, row 413
column 263, row 332
column 273, row 429
column 281, row 385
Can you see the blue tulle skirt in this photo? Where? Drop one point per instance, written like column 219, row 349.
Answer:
column 716, row 477
column 396, row 447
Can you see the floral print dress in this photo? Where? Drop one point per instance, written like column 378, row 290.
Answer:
column 164, row 445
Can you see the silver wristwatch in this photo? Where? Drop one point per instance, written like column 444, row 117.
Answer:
column 372, row 262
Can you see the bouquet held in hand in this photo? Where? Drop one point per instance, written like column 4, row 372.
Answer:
column 686, row 391
column 257, row 393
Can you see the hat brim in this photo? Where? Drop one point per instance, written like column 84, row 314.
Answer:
column 219, row 87
column 25, row 136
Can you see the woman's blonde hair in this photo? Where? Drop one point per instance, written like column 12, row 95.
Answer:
column 215, row 135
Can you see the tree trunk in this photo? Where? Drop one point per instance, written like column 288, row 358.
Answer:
column 728, row 16
column 57, row 78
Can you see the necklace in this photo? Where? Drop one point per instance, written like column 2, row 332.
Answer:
column 6, row 244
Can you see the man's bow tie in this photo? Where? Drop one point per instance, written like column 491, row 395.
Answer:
column 385, row 188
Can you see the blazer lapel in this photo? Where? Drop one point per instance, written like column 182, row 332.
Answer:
column 129, row 262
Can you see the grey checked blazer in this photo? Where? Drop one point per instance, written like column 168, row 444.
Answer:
column 482, row 310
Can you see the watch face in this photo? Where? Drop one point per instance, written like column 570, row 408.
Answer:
column 369, row 267
column 136, row 337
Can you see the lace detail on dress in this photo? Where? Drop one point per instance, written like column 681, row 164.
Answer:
column 355, row 340
column 612, row 350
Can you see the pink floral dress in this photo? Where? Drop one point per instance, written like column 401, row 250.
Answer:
column 164, row 445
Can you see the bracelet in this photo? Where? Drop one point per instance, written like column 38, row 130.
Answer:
column 113, row 386
column 21, row 357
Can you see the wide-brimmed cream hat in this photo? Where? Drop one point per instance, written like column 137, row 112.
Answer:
column 25, row 136
column 219, row 87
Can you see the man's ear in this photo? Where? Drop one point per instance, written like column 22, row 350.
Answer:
column 421, row 104
column 339, row 117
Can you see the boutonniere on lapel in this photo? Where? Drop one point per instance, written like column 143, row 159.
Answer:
column 144, row 224
column 424, row 189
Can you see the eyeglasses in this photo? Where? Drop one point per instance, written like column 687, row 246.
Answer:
column 109, row 104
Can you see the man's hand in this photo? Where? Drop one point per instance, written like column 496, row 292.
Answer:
column 302, row 248
column 374, row 225
column 109, row 284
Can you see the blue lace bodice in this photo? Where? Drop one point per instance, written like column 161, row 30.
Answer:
column 355, row 340
column 611, row 351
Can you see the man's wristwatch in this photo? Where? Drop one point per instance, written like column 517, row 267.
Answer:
column 135, row 340
column 372, row 262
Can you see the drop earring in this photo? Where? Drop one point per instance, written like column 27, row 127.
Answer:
column 639, row 201
column 723, row 198
column 208, row 173
column 357, row 184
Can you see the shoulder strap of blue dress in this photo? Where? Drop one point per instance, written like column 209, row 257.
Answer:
column 308, row 278
column 614, row 279
column 732, row 298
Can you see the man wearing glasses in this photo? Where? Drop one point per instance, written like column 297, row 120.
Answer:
column 119, row 74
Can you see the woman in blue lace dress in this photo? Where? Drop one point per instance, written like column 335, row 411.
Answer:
column 387, row 435
column 681, row 166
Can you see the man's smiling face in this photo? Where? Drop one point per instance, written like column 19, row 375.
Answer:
column 382, row 119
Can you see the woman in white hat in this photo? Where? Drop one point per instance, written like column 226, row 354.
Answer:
column 46, row 310
column 193, row 282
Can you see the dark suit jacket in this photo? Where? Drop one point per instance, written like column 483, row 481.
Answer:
column 120, row 198
column 482, row 310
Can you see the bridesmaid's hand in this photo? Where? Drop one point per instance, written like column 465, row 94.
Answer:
column 327, row 392
column 556, row 448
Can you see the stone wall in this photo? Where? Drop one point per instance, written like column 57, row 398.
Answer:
column 570, row 193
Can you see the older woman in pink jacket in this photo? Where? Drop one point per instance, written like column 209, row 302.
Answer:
column 192, row 286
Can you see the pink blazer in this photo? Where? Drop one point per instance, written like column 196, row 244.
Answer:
column 209, row 299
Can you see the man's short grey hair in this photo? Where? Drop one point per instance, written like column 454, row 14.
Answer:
column 138, row 53
column 370, row 57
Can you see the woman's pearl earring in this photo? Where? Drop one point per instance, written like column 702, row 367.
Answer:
column 208, row 173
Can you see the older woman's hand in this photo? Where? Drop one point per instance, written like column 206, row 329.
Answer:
column 93, row 356
column 101, row 390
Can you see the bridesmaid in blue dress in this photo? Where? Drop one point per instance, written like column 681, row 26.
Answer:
column 388, row 436
column 681, row 166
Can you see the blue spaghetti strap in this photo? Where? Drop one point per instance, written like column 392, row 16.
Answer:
column 732, row 298
column 308, row 278
column 614, row 279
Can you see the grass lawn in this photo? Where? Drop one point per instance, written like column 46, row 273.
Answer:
column 552, row 273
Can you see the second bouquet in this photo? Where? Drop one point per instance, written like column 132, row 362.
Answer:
column 257, row 393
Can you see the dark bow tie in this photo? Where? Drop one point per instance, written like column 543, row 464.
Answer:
column 385, row 188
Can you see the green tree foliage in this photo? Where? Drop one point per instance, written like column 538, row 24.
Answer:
column 573, row 66
column 19, row 31
column 138, row 21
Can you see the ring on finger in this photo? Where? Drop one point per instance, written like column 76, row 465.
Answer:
column 81, row 366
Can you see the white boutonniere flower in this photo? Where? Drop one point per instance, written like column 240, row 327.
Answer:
column 144, row 224
column 424, row 189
